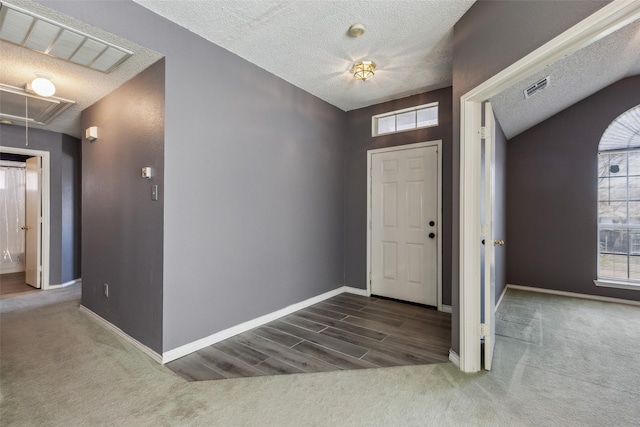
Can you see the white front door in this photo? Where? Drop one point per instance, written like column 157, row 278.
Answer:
column 32, row 225
column 404, row 229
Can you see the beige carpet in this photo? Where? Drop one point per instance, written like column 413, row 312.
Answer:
column 559, row 361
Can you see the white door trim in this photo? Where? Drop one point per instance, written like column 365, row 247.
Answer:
column 370, row 153
column 610, row 18
column 46, row 205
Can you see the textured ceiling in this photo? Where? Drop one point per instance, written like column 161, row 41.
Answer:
column 74, row 82
column 572, row 79
column 307, row 43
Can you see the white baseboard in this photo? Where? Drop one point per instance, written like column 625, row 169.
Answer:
column 193, row 346
column 113, row 328
column 12, row 269
column 574, row 295
column 356, row 291
column 504, row 291
column 454, row 358
column 64, row 285
column 446, row 308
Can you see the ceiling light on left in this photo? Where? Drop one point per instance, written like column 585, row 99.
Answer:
column 41, row 86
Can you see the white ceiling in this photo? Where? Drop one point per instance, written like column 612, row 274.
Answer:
column 307, row 43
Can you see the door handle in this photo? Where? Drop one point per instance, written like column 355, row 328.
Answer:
column 25, row 227
column 498, row 243
column 432, row 235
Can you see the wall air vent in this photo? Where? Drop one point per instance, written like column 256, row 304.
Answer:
column 536, row 87
column 34, row 32
column 18, row 105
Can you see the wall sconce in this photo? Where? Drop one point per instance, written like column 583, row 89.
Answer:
column 91, row 133
column 364, row 70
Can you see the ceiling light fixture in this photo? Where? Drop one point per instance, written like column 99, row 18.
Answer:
column 42, row 86
column 364, row 70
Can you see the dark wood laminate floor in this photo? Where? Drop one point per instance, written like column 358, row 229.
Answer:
column 13, row 283
column 344, row 332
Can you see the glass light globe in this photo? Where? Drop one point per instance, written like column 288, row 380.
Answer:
column 43, row 87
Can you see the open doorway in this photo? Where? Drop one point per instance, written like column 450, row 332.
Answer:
column 25, row 220
column 604, row 22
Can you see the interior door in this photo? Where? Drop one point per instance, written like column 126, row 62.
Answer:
column 490, row 238
column 404, row 211
column 32, row 227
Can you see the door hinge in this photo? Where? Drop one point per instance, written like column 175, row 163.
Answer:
column 370, row 276
column 483, row 327
column 370, row 171
column 483, row 132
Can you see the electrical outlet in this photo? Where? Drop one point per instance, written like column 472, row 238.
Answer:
column 105, row 289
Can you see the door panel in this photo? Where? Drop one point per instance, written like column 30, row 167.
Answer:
column 492, row 242
column 404, row 201
column 32, row 222
column 390, row 260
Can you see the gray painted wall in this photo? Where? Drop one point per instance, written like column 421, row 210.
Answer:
column 491, row 36
column 64, row 209
column 253, row 219
column 122, row 226
column 254, row 169
column 71, row 189
column 552, row 195
column 357, row 142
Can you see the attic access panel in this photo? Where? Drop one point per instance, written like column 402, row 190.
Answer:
column 18, row 105
column 26, row 29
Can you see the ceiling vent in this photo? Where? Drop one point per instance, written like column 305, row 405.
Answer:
column 18, row 105
column 34, row 32
column 536, row 87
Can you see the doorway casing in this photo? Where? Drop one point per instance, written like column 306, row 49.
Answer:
column 46, row 209
column 610, row 18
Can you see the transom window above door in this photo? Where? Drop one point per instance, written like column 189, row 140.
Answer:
column 413, row 118
column 619, row 203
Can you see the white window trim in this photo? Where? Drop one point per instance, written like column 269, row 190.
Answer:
column 610, row 282
column 604, row 283
column 374, row 119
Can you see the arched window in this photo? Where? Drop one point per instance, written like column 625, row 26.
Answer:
column 619, row 202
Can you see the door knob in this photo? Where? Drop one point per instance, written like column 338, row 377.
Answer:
column 432, row 235
column 25, row 227
column 498, row 243
column 432, row 223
